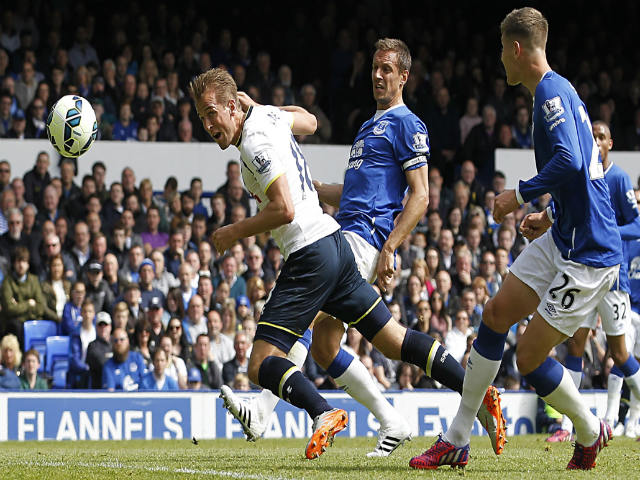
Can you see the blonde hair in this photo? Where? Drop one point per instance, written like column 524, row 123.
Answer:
column 217, row 79
column 10, row 341
column 403, row 56
column 527, row 25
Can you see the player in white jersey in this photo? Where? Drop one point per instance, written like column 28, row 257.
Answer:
column 562, row 275
column 319, row 271
column 615, row 308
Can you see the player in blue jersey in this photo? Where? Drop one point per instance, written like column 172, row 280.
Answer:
column 389, row 156
column 562, row 275
column 633, row 252
column 125, row 370
column 614, row 309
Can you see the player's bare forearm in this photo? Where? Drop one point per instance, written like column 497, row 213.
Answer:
column 414, row 209
column 279, row 211
column 329, row 193
column 505, row 203
column 304, row 123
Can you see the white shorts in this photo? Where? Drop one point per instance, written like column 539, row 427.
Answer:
column 633, row 335
column 366, row 255
column 568, row 291
column 615, row 311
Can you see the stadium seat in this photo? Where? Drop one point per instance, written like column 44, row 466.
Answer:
column 58, row 360
column 36, row 333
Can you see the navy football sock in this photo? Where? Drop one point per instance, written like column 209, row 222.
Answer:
column 286, row 381
column 427, row 353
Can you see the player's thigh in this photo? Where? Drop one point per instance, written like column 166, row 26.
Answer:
column 536, row 343
column 576, row 344
column 327, row 334
column 514, row 301
column 261, row 349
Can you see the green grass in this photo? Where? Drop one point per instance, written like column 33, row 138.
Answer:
column 527, row 457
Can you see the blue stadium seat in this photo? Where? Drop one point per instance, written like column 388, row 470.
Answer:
column 36, row 333
column 58, row 360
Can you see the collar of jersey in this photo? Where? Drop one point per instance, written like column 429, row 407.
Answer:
column 384, row 112
column 237, row 144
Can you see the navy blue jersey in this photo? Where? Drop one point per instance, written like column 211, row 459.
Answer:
column 570, row 169
column 624, row 205
column 633, row 251
column 125, row 376
column 385, row 148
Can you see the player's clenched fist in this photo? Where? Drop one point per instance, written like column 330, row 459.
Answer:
column 223, row 238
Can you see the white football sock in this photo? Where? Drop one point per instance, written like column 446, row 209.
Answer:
column 614, row 386
column 480, row 373
column 631, row 425
column 567, row 424
column 358, row 383
column 633, row 382
column 566, row 399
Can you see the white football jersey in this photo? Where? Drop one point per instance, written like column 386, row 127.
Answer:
column 268, row 150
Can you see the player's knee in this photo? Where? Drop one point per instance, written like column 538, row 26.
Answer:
column 526, row 359
column 619, row 356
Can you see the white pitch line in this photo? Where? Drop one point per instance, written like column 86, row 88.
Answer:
column 121, row 466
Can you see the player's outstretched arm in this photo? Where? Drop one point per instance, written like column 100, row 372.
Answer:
column 279, row 211
column 414, row 209
column 304, row 123
column 329, row 193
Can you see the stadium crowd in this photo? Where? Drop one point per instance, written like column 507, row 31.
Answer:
column 131, row 276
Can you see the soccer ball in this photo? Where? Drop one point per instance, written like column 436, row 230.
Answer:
column 72, row 126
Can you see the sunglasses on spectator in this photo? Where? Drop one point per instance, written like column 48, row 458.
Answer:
column 174, row 327
column 120, row 339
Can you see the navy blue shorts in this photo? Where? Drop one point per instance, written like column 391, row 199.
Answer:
column 321, row 276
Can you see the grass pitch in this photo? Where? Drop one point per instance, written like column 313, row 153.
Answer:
column 527, row 457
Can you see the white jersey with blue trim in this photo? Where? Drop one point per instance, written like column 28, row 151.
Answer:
column 623, row 200
column 268, row 151
column 570, row 169
column 387, row 145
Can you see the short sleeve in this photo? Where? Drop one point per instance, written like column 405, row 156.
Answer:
column 411, row 144
column 261, row 158
column 629, row 205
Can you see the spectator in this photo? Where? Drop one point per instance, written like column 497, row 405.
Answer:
column 141, row 336
column 56, row 289
column 274, row 261
column 456, row 341
column 72, row 314
column 113, row 207
column 163, row 280
column 255, row 290
column 470, row 119
column 26, row 85
column 36, row 180
column 174, row 255
column 148, row 291
column 123, row 371
column 176, row 368
column 440, row 320
column 111, row 275
column 218, row 212
column 125, row 128
column 132, row 299
column 240, row 362
column 7, row 202
column 29, row 379
column 152, row 237
column 80, row 339
column 195, row 380
column 80, row 251
column 236, row 196
column 180, row 346
column 99, row 350
column 468, row 304
column 21, row 296
column 195, row 322
column 5, row 111
column 522, row 128
column 308, row 102
column 444, row 129
column 155, row 315
column 15, row 237
column 205, row 290
column 481, row 144
column 130, row 271
column 98, row 290
column 423, row 320
column 51, row 207
column 17, row 185
column 9, row 351
column 158, row 380
column 209, row 371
